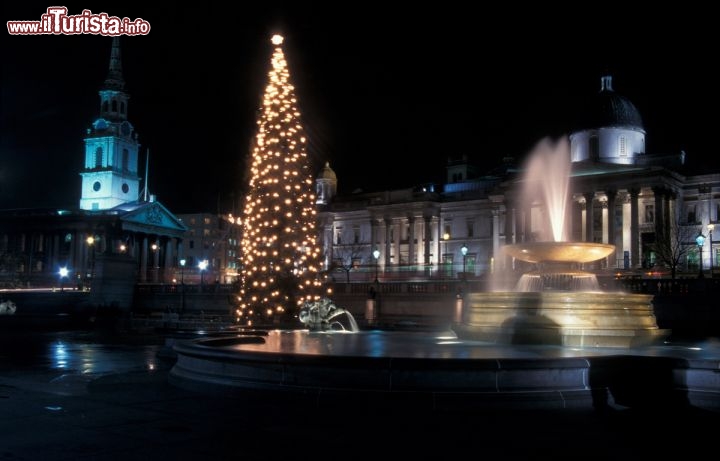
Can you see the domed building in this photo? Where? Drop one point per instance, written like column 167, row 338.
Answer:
column 611, row 131
column 325, row 185
column 644, row 204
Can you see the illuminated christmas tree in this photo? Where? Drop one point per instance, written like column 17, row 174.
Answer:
column 281, row 256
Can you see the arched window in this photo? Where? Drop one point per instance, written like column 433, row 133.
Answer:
column 105, row 106
column 114, row 106
column 98, row 157
column 122, row 108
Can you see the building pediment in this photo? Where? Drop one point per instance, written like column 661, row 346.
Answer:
column 150, row 215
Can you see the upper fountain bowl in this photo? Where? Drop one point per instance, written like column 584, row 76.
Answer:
column 560, row 252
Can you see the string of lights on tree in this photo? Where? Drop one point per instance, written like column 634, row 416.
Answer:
column 281, row 256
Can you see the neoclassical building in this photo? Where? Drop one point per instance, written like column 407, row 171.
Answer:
column 115, row 231
column 619, row 194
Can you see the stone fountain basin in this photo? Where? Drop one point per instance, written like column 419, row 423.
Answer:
column 559, row 252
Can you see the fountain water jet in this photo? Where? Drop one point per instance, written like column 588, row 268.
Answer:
column 558, row 303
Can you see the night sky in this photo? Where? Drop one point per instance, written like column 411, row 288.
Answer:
column 386, row 96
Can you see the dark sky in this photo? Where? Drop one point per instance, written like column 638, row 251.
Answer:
column 387, row 96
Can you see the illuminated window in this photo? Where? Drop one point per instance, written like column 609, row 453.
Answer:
column 206, row 220
column 206, row 232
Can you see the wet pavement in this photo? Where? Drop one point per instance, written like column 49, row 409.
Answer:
column 95, row 396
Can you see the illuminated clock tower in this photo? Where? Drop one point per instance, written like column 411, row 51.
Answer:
column 110, row 174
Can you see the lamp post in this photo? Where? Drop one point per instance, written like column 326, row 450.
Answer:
column 182, row 285
column 376, row 255
column 711, row 227
column 63, row 272
column 91, row 255
column 700, row 240
column 441, row 259
column 464, row 250
column 202, row 265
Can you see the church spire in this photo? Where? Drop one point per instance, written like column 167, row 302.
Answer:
column 114, row 80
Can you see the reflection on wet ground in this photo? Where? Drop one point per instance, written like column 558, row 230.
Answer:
column 66, row 361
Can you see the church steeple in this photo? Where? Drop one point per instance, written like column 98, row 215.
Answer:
column 114, row 80
column 113, row 99
column 110, row 177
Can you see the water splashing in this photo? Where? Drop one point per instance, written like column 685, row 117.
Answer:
column 548, row 176
column 321, row 315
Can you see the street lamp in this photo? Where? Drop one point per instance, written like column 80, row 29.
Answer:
column 91, row 250
column 182, row 285
column 202, row 265
column 700, row 240
column 441, row 259
column 710, row 229
column 464, row 250
column 63, row 273
column 376, row 255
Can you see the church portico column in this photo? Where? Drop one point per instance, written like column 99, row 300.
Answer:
column 169, row 257
column 156, row 259
column 143, row 257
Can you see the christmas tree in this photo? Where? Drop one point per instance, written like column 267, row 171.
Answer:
column 281, row 256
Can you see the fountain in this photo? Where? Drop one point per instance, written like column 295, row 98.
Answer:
column 321, row 316
column 417, row 370
column 558, row 303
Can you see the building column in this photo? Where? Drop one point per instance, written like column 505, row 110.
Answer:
column 634, row 228
column 658, row 195
column 527, row 223
column 671, row 218
column 428, row 238
column 388, row 242
column 495, row 232
column 589, row 234
column 509, row 233
column 611, row 204
column 144, row 258
column 605, row 230
column 168, row 271
column 411, row 240
column 398, row 238
column 156, row 261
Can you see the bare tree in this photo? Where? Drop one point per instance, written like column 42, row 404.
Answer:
column 347, row 257
column 672, row 246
